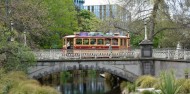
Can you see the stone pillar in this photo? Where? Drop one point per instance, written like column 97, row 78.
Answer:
column 147, row 63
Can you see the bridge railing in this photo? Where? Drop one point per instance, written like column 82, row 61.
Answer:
column 94, row 54
column 79, row 54
column 171, row 54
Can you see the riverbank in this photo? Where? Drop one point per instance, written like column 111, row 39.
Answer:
column 115, row 90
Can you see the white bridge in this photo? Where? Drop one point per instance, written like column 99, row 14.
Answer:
column 59, row 54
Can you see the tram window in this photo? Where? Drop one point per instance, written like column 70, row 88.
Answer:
column 93, row 41
column 79, row 41
column 107, row 41
column 86, row 41
column 114, row 41
column 100, row 41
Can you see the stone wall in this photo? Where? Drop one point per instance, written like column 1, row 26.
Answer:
column 179, row 67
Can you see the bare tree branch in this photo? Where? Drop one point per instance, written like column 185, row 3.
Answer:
column 167, row 28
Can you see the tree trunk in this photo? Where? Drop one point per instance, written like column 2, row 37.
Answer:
column 153, row 19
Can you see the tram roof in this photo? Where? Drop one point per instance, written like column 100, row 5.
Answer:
column 77, row 36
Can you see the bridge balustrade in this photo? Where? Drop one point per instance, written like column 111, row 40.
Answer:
column 58, row 54
column 171, row 54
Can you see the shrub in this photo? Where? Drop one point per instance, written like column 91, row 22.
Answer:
column 123, row 85
column 127, row 85
column 185, row 88
column 18, row 83
column 168, row 83
column 146, row 81
column 147, row 92
column 131, row 87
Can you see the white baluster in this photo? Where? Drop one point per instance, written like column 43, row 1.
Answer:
column 80, row 54
column 184, row 54
column 168, row 54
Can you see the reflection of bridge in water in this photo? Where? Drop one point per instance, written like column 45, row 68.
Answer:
column 125, row 64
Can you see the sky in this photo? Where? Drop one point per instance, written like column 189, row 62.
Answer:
column 99, row 2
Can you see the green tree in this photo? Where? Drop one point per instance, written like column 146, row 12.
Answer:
column 87, row 21
column 13, row 55
column 45, row 21
column 27, row 16
column 63, row 17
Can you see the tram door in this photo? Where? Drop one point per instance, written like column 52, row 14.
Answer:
column 70, row 45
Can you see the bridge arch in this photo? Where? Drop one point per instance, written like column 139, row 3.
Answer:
column 46, row 68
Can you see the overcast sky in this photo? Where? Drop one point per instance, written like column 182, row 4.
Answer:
column 99, row 2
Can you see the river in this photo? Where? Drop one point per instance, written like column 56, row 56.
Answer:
column 79, row 82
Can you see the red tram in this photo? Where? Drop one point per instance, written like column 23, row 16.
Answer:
column 96, row 41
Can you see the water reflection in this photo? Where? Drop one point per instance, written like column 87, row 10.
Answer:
column 91, row 83
column 83, row 85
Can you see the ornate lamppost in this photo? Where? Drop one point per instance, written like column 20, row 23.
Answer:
column 147, row 64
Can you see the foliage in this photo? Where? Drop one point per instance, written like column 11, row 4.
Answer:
column 185, row 86
column 108, row 76
column 92, row 73
column 186, row 73
column 64, row 75
column 111, row 79
column 146, row 81
column 87, row 21
column 29, row 16
column 135, row 40
column 18, row 57
column 17, row 83
column 185, row 39
column 63, row 17
column 123, row 85
column 44, row 21
column 171, row 41
column 131, row 87
column 147, row 92
column 167, row 20
column 14, row 56
column 110, row 25
column 168, row 84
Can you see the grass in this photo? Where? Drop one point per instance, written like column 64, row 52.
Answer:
column 167, row 83
column 129, row 87
column 146, row 81
column 17, row 82
column 123, row 85
column 147, row 92
column 185, row 86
